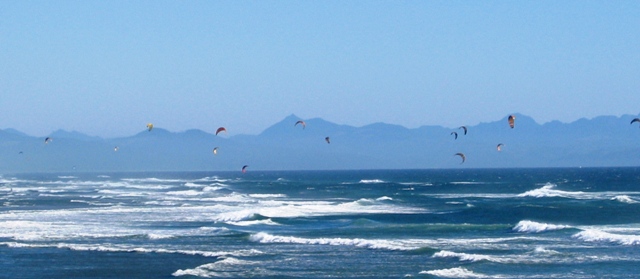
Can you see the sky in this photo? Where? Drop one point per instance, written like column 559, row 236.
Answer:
column 107, row 68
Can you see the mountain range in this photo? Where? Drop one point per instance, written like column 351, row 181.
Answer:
column 598, row 142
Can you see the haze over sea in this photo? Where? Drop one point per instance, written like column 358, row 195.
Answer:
column 466, row 223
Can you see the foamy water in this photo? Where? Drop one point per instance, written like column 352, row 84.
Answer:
column 448, row 224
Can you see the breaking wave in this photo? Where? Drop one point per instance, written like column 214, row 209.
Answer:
column 130, row 249
column 624, row 199
column 535, row 227
column 464, row 256
column 457, row 272
column 357, row 242
column 371, row 181
column 592, row 235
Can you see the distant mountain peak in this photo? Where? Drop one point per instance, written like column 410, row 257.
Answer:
column 73, row 135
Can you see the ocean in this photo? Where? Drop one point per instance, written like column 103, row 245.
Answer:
column 454, row 223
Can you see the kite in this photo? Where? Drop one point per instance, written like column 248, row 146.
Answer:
column 455, row 135
column 244, row 168
column 512, row 119
column 304, row 125
column 461, row 156
column 499, row 146
column 463, row 128
column 221, row 129
column 149, row 127
column 327, row 139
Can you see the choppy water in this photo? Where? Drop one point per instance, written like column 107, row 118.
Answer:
column 500, row 223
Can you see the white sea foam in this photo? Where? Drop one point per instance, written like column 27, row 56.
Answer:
column 593, row 235
column 184, row 193
column 191, row 184
column 211, row 189
column 543, row 250
column 371, row 181
column 254, row 223
column 212, row 179
column 546, row 191
column 624, row 199
column 357, row 242
column 465, row 256
column 527, row 226
column 457, row 272
column 131, row 248
column 152, row 179
column 267, row 196
column 416, row 183
column 227, row 267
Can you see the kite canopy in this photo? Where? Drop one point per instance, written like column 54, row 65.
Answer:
column 455, row 135
column 221, row 129
column 512, row 120
column 461, row 156
column 304, row 125
column 499, row 146
column 463, row 128
column 150, row 127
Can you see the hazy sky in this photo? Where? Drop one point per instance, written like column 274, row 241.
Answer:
column 107, row 68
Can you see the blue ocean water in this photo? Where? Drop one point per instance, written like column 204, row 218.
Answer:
column 484, row 223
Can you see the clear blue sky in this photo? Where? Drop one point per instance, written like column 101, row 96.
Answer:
column 107, row 68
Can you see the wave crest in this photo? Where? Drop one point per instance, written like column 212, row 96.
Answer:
column 601, row 236
column 262, row 237
column 463, row 256
column 457, row 272
column 527, row 226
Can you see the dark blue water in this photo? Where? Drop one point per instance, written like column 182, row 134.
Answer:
column 487, row 223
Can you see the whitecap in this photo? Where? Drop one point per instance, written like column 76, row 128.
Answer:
column 416, row 183
column 592, row 235
column 624, row 199
column 212, row 179
column 151, row 179
column 266, row 196
column 464, row 256
column 211, row 189
column 542, row 250
column 227, row 267
column 371, row 181
column 457, row 272
column 262, row 237
column 527, row 226
column 129, row 249
column 549, row 191
column 191, row 184
column 268, row 222
column 185, row 193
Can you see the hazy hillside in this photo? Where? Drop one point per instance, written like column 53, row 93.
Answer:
column 602, row 141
